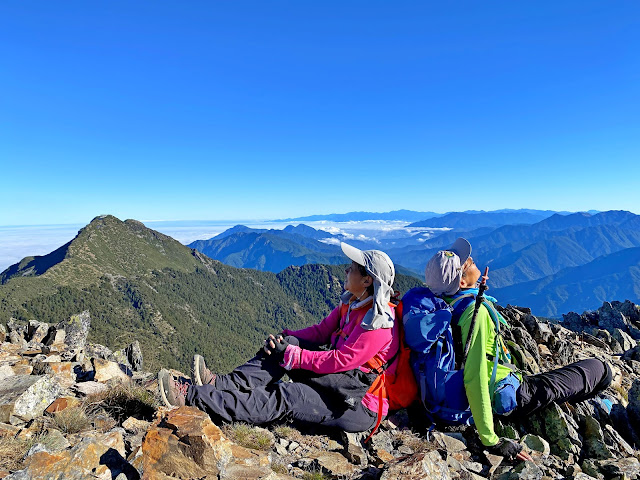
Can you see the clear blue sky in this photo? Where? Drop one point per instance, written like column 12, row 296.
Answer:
column 225, row 110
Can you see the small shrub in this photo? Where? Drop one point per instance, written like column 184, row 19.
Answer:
column 315, row 475
column 71, row 420
column 623, row 392
column 279, row 468
column 124, row 401
column 247, row 436
column 285, row 431
column 414, row 441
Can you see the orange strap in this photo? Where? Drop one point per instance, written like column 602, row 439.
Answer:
column 375, row 429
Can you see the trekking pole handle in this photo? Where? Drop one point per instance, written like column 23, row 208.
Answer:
column 479, row 298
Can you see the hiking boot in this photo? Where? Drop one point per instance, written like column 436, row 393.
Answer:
column 172, row 391
column 200, row 374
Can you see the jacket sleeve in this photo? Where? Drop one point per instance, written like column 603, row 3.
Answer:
column 321, row 332
column 361, row 346
column 476, row 376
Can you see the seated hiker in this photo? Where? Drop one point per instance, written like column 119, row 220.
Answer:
column 330, row 386
column 452, row 275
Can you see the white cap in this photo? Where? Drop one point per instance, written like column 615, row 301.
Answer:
column 380, row 267
column 444, row 270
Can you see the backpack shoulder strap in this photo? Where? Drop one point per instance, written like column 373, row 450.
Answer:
column 459, row 305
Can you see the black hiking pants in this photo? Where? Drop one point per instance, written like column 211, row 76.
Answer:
column 252, row 393
column 574, row 383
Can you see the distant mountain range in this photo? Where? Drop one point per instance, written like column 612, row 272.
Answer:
column 463, row 220
column 128, row 272
column 400, row 215
column 519, row 246
column 414, row 216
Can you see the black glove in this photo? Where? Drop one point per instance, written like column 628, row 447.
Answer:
column 275, row 346
column 506, row 448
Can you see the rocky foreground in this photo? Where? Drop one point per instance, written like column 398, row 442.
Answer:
column 74, row 410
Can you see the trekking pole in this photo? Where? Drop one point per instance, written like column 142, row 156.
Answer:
column 479, row 298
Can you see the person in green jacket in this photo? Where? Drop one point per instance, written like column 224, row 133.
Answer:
column 453, row 275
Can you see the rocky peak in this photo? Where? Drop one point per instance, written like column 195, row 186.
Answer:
column 71, row 409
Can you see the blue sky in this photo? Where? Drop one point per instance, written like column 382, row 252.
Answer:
column 230, row 110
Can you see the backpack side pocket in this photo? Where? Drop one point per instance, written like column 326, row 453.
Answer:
column 504, row 396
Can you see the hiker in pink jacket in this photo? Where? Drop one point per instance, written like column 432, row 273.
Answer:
column 328, row 363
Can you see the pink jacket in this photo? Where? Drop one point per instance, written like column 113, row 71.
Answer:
column 352, row 346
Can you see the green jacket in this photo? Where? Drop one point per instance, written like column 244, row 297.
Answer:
column 478, row 369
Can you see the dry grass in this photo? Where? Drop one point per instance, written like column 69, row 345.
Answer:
column 71, row 420
column 315, row 475
column 279, row 467
column 248, row 436
column 287, row 432
column 414, row 441
column 13, row 450
column 293, row 435
column 620, row 390
column 124, row 401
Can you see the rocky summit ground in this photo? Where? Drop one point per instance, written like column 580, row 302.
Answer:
column 74, row 410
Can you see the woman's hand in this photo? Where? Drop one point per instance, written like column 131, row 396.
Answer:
column 275, row 345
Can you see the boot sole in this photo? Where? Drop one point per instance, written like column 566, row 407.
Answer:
column 195, row 369
column 162, row 378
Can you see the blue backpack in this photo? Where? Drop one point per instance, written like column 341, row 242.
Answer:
column 428, row 333
column 427, row 326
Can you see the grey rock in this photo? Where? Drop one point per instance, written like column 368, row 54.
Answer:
column 633, row 409
column 382, row 441
column 544, row 333
column 26, row 396
column 620, row 420
column 590, row 468
column 6, row 371
column 37, row 331
column 56, row 441
column 280, row 450
column 594, row 444
column 284, row 442
column 55, row 336
column 564, row 352
column 449, row 443
column 475, row 467
column 612, row 437
column 505, row 430
column 77, row 329
column 38, row 447
column 90, row 388
column 423, row 466
column 95, row 350
column 354, row 450
column 536, row 443
column 3, row 333
column 17, row 338
column 610, row 318
column 523, row 339
column 621, row 468
column 628, row 309
column 131, row 356
column 15, row 327
column 624, row 339
column 595, row 341
column 332, row 463
column 526, row 471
